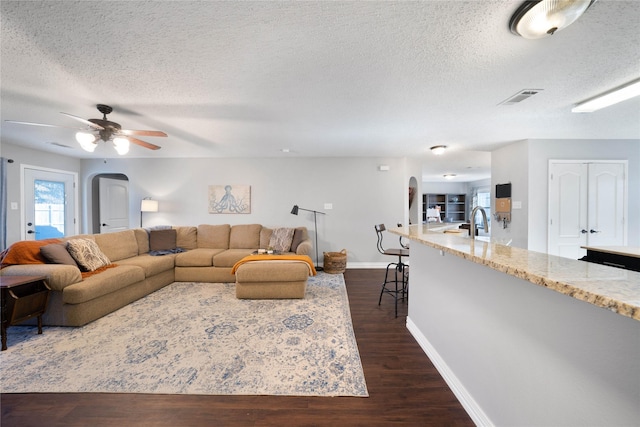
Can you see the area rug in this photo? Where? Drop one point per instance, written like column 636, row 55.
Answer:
column 197, row 338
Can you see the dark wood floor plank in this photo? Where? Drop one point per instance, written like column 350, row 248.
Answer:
column 404, row 387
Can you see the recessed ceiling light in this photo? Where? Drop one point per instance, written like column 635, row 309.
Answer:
column 449, row 175
column 438, row 149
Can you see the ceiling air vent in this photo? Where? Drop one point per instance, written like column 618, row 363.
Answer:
column 520, row 96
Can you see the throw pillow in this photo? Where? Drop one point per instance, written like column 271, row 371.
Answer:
column 281, row 239
column 162, row 240
column 57, row 253
column 87, row 254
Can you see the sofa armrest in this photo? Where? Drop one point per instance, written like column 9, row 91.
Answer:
column 59, row 276
column 305, row 247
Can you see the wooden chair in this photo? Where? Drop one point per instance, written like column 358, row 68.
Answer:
column 400, row 277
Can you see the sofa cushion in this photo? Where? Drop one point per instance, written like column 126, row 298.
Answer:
column 187, row 237
column 281, row 239
column 214, row 236
column 87, row 254
column 108, row 281
column 151, row 265
column 299, row 236
column 162, row 240
column 142, row 237
column 119, row 245
column 245, row 236
column 229, row 257
column 200, row 257
column 265, row 236
column 57, row 253
column 59, row 276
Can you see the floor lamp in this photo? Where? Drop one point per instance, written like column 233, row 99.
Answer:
column 294, row 211
column 148, row 205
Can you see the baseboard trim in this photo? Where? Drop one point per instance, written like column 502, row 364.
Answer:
column 466, row 400
column 356, row 265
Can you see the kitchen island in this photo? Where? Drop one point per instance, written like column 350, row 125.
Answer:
column 524, row 338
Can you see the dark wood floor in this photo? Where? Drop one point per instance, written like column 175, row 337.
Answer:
column 404, row 388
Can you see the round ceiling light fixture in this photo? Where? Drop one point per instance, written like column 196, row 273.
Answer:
column 438, row 149
column 535, row 19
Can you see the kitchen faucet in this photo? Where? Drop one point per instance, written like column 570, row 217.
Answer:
column 472, row 228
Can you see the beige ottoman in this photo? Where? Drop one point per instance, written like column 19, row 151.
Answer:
column 271, row 280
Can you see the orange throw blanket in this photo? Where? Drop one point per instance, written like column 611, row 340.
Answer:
column 25, row 252
column 265, row 257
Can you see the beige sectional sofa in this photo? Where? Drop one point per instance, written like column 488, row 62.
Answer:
column 210, row 251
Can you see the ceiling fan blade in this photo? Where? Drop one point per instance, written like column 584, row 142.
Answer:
column 143, row 143
column 39, row 124
column 86, row 122
column 142, row 132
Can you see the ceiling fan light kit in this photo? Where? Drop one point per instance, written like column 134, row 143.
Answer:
column 535, row 19
column 107, row 131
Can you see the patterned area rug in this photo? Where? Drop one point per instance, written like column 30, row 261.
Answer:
column 197, row 338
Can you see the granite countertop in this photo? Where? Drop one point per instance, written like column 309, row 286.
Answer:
column 612, row 288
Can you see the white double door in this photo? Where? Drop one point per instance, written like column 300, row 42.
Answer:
column 587, row 206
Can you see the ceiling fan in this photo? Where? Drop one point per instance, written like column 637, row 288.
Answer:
column 105, row 130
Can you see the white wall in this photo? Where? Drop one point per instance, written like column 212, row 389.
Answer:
column 510, row 164
column 539, row 154
column 26, row 156
column 519, row 354
column 526, row 163
column 444, row 187
column 361, row 195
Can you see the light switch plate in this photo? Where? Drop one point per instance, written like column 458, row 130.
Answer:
column 517, row 205
column 14, row 206
column 328, row 206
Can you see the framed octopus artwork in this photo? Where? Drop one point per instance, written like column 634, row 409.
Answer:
column 229, row 199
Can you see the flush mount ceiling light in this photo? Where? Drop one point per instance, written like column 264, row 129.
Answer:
column 438, row 149
column 609, row 98
column 540, row 18
column 449, row 175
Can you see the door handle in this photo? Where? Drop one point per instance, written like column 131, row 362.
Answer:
column 30, row 232
column 592, row 231
column 583, row 231
column 105, row 225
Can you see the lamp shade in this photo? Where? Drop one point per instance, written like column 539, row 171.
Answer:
column 149, row 205
column 540, row 18
column 294, row 211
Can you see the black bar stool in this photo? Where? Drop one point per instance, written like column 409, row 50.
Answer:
column 400, row 277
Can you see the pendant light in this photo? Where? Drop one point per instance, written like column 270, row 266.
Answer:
column 535, row 19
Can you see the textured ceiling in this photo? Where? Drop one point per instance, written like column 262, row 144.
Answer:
column 248, row 79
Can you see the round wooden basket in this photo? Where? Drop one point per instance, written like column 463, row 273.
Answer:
column 335, row 262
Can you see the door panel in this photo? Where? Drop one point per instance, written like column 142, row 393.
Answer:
column 568, row 209
column 606, row 205
column 114, row 205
